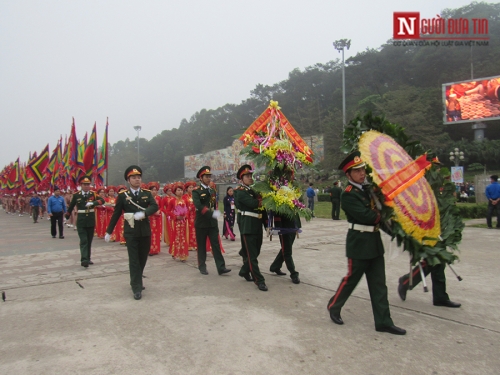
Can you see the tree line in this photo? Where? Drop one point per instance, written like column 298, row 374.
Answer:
column 403, row 84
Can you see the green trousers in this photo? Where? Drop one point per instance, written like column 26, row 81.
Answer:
column 374, row 269
column 438, row 280
column 86, row 235
column 138, row 250
column 285, row 254
column 250, row 250
column 201, row 239
column 336, row 209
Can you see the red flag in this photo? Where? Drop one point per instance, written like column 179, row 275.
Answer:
column 38, row 165
column 89, row 157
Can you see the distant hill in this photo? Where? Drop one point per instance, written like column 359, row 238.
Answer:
column 401, row 83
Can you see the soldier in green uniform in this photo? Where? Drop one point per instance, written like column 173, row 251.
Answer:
column 364, row 249
column 85, row 201
column 137, row 205
column 439, row 295
column 249, row 221
column 289, row 228
column 206, row 224
column 335, row 192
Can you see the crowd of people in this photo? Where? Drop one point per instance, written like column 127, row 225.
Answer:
column 185, row 218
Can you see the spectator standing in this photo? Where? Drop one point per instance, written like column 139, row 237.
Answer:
column 493, row 196
column 56, row 208
column 35, row 204
column 471, row 190
column 335, row 192
column 310, row 198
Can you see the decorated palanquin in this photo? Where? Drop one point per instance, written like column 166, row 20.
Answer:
column 273, row 144
column 413, row 193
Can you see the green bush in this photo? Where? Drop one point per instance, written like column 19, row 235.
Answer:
column 323, row 197
column 472, row 211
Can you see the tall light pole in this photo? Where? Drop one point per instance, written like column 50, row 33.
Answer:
column 456, row 156
column 138, row 129
column 340, row 45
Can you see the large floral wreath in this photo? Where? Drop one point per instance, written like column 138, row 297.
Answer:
column 435, row 249
column 272, row 143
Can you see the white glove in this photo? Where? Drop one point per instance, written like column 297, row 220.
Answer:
column 107, row 237
column 216, row 214
column 139, row 215
column 89, row 204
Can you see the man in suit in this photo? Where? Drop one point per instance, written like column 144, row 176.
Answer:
column 249, row 221
column 364, row 249
column 335, row 192
column 85, row 201
column 137, row 205
column 205, row 222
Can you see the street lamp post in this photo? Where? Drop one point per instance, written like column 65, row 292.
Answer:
column 138, row 129
column 340, row 45
column 456, row 156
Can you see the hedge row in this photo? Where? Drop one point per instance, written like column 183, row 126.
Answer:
column 472, row 211
column 323, row 197
column 466, row 211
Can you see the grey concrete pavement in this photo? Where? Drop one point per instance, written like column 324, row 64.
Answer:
column 62, row 318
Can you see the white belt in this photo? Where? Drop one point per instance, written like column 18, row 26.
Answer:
column 252, row 214
column 365, row 228
column 85, row 211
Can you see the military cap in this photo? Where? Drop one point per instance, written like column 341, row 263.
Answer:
column 133, row 170
column 85, row 180
column 244, row 169
column 352, row 161
column 203, row 171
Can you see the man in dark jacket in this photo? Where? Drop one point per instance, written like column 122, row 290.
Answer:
column 85, row 201
column 364, row 249
column 249, row 220
column 205, row 222
column 35, row 204
column 335, row 192
column 137, row 205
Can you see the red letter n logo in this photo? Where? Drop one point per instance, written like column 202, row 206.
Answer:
column 406, row 25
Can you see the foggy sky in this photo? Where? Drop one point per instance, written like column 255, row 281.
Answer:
column 153, row 63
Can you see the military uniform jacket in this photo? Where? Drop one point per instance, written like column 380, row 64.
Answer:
column 204, row 202
column 245, row 199
column 124, row 205
column 335, row 193
column 86, row 215
column 359, row 209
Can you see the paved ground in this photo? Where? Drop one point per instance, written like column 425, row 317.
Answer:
column 60, row 318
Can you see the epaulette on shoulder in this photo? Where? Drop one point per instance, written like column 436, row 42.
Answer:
column 239, row 188
column 348, row 188
column 122, row 192
column 197, row 187
column 146, row 189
